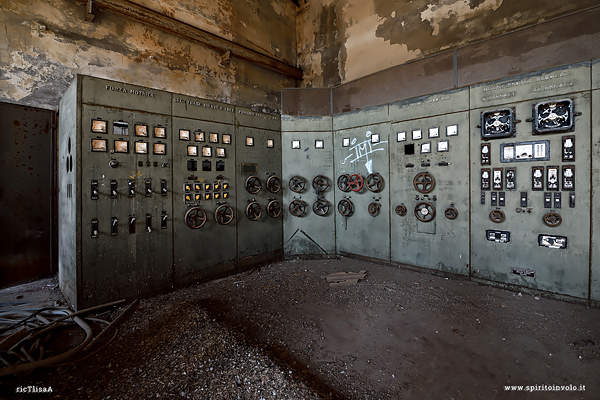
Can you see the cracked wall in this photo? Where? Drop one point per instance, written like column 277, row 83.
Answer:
column 343, row 40
column 43, row 44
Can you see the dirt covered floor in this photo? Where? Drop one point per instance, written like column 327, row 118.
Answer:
column 282, row 332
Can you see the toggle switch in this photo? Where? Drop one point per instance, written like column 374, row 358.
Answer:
column 524, row 199
column 163, row 220
column 482, row 197
column 148, row 190
column 557, row 200
column 572, row 199
column 501, row 199
column 187, row 187
column 547, row 200
column 94, row 228
column 197, row 187
column 148, row 223
column 131, row 224
column 113, row 226
column 131, row 188
column 494, row 199
column 113, row 189
column 163, row 187
column 95, row 190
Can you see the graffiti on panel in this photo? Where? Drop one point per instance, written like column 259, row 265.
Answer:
column 362, row 152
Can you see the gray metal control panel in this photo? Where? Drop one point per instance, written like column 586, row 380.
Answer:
column 310, row 210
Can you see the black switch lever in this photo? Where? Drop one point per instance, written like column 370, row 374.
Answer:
column 94, row 190
column 148, row 187
column 163, row 187
column 94, row 228
column 163, row 220
column 113, row 189
column 113, row 226
column 131, row 224
column 131, row 188
column 148, row 223
column 572, row 199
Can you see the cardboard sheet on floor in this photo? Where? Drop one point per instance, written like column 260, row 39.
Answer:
column 345, row 278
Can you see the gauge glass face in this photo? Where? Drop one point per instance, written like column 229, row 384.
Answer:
column 141, row 130
column 295, row 144
column 99, row 145
column 226, row 138
column 160, row 148
column 375, row 138
column 159, row 132
column 319, row 144
column 346, row 142
column 192, row 151
column 206, row 151
column 213, row 137
column 554, row 116
column 417, row 134
column 220, row 152
column 451, row 130
column 121, row 146
column 249, row 141
column 141, row 148
column 400, row 136
column 98, row 126
column 434, row 132
column 497, row 124
column 184, row 134
column 426, row 147
column 270, row 143
column 199, row 136
column 442, row 145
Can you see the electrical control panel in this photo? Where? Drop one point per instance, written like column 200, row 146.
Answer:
column 310, row 210
column 260, row 205
column 429, row 189
column 204, row 187
column 361, row 154
column 569, row 151
column 531, row 171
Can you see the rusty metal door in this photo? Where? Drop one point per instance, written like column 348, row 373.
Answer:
column 26, row 181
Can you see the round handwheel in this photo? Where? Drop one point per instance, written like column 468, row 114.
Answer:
column 297, row 183
column 342, row 183
column 345, row 208
column 321, row 207
column 224, row 214
column 552, row 219
column 253, row 211
column 320, row 183
column 497, row 216
column 274, row 209
column 451, row 213
column 401, row 209
column 195, row 218
column 355, row 182
column 274, row 184
column 374, row 209
column 297, row 208
column 253, row 184
column 424, row 182
column 374, row 182
column 424, row 211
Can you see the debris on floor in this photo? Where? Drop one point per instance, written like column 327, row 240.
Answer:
column 345, row 278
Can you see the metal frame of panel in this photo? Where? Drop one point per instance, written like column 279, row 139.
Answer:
column 312, row 234
column 595, row 167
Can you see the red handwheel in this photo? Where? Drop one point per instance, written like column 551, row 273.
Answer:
column 355, row 182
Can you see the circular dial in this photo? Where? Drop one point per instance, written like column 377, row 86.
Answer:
column 424, row 182
column 424, row 211
column 253, row 211
column 297, row 208
column 553, row 116
column 345, row 208
column 320, row 183
column 497, row 216
column 497, row 122
column 253, row 184
column 374, row 209
column 342, row 183
column 297, row 183
column 195, row 218
column 274, row 209
column 355, row 182
column 224, row 214
column 274, row 184
column 451, row 213
column 374, row 182
column 401, row 209
column 321, row 207
column 552, row 219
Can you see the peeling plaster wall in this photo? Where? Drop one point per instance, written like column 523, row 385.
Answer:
column 343, row 40
column 43, row 44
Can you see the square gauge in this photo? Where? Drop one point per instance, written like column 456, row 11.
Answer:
column 295, row 144
column 192, row 151
column 141, row 148
column 226, row 137
column 213, row 137
column 270, row 143
column 184, row 134
column 434, row 132
column 220, row 152
column 98, row 126
column 160, row 148
column 375, row 138
column 199, row 136
column 497, row 124
column 426, row 147
column 120, row 128
column 98, row 145
column 417, row 134
column 206, row 151
column 160, row 132
column 249, row 141
column 121, row 146
column 553, row 116
column 452, row 130
column 346, row 142
column 400, row 136
column 319, row 144
column 141, row 130
column 442, row 146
